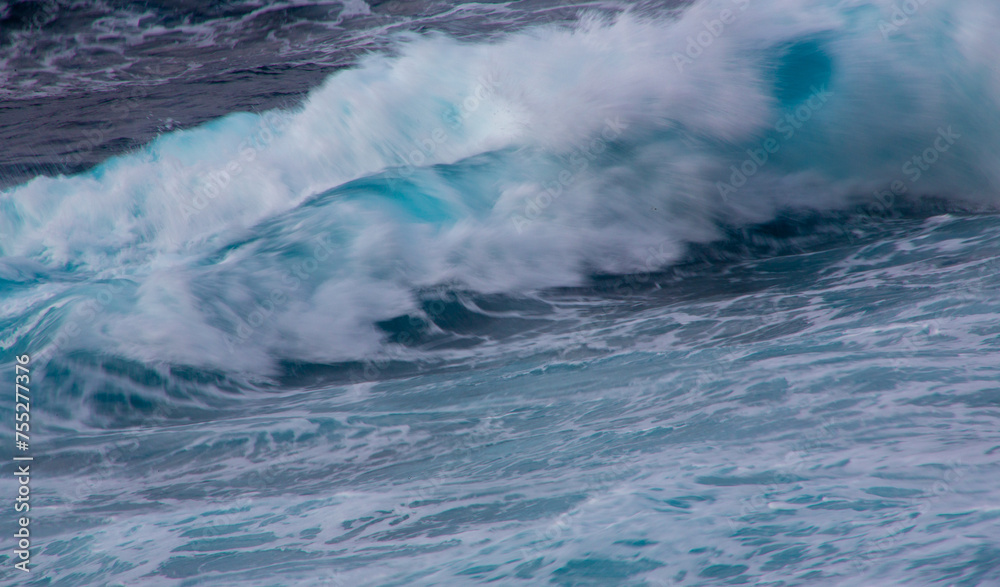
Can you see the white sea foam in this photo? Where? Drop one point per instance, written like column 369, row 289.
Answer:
column 531, row 162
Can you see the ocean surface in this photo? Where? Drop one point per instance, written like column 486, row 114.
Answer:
column 515, row 293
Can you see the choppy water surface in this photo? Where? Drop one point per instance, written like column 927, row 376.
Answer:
column 517, row 297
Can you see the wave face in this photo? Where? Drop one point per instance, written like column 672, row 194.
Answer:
column 675, row 294
column 533, row 162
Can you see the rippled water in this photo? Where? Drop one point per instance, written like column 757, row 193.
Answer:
column 339, row 365
column 820, row 417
